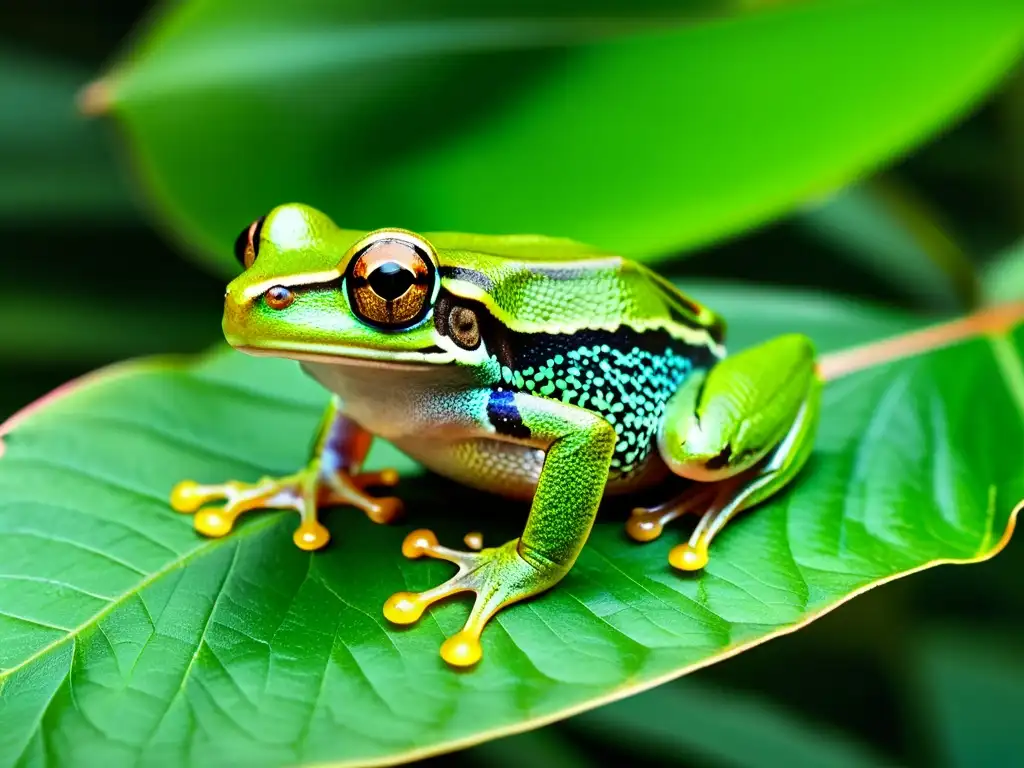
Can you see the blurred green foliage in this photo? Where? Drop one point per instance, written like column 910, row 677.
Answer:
column 90, row 280
column 641, row 134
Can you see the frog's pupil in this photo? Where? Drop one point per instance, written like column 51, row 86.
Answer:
column 391, row 280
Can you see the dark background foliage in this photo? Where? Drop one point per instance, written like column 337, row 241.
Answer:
column 926, row 671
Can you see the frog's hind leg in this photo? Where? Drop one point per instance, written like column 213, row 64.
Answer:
column 742, row 431
column 333, row 476
column 747, row 489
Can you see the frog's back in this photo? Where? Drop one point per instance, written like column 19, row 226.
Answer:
column 550, row 285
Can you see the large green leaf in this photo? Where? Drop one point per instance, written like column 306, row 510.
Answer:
column 125, row 637
column 443, row 115
column 888, row 230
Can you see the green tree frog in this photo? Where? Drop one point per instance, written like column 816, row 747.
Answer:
column 533, row 367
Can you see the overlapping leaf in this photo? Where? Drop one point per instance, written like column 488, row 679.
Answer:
column 623, row 125
column 124, row 637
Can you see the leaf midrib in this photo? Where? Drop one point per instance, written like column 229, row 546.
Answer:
column 199, row 645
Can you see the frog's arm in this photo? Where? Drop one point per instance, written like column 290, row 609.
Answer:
column 579, row 450
column 743, row 430
column 332, row 476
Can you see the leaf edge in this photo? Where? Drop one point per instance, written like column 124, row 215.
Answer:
column 632, row 689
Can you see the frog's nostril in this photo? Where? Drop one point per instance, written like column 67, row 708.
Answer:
column 279, row 297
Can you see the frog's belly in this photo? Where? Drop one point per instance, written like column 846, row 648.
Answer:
column 506, row 468
column 429, row 414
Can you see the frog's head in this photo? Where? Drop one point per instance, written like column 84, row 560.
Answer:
column 313, row 291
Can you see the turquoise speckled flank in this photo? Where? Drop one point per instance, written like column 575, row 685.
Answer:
column 625, row 380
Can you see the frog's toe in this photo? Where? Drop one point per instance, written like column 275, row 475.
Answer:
column 351, row 490
column 498, row 576
column 689, row 557
column 716, row 503
column 648, row 523
column 382, row 477
column 304, row 492
column 188, row 496
column 214, row 522
column 462, row 649
column 311, row 535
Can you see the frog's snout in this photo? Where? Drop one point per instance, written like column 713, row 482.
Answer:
column 234, row 321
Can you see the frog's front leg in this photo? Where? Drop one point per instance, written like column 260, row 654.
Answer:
column 332, row 476
column 579, row 447
column 742, row 431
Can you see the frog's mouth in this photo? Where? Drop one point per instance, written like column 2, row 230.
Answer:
column 327, row 338
column 334, row 354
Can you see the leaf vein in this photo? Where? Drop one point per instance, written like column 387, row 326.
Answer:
column 199, row 647
column 205, row 547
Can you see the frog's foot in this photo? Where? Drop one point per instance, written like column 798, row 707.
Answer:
column 498, row 575
column 304, row 492
column 716, row 501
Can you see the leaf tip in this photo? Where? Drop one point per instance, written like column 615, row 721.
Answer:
column 95, row 98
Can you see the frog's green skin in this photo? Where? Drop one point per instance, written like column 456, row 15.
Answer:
column 532, row 367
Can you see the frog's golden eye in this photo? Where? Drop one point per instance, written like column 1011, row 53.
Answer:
column 247, row 244
column 390, row 282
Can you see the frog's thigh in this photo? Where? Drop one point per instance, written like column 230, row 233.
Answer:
column 723, row 421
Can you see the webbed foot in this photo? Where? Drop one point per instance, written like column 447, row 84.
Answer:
column 305, row 492
column 498, row 575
